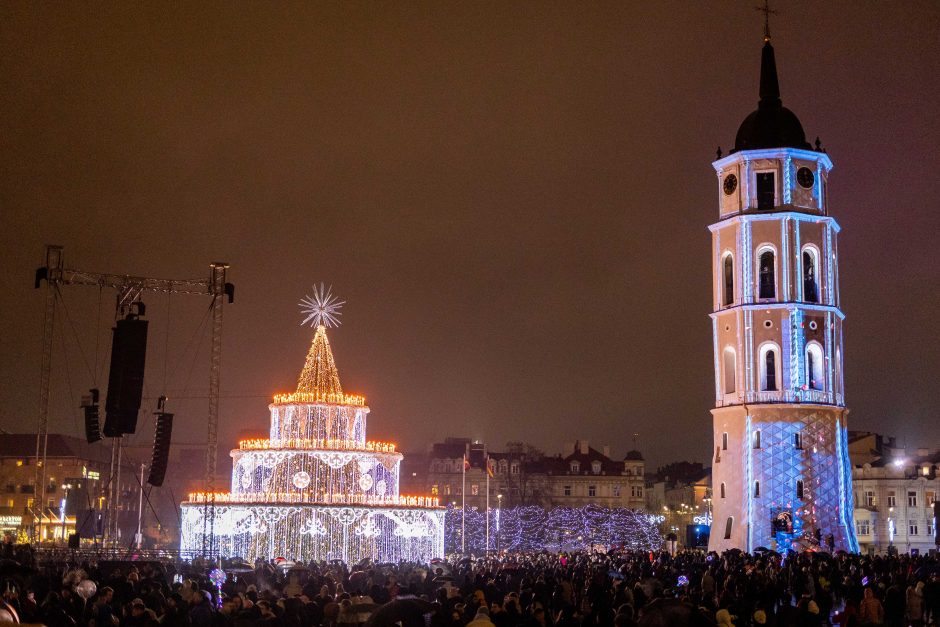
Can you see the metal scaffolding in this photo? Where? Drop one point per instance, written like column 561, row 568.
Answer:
column 129, row 288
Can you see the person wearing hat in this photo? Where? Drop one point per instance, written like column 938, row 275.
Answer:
column 482, row 618
column 202, row 613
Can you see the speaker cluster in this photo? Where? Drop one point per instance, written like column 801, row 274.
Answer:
column 163, row 433
column 126, row 376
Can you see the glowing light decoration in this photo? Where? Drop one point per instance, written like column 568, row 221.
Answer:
column 322, row 309
column 301, row 480
column 317, row 489
column 531, row 528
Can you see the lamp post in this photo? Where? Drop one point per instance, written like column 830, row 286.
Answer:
column 499, row 509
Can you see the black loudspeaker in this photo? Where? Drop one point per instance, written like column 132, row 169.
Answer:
column 163, row 433
column 126, row 377
column 92, row 418
column 74, row 540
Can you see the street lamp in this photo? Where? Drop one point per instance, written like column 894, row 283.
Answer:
column 499, row 508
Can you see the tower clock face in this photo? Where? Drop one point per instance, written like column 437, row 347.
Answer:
column 805, row 177
column 731, row 183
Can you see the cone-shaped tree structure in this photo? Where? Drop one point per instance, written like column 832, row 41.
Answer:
column 320, row 376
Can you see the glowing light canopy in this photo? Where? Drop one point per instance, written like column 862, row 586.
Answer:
column 316, row 489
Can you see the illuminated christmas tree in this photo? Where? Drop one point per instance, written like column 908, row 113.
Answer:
column 316, row 489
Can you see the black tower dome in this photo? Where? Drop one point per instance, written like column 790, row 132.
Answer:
column 772, row 125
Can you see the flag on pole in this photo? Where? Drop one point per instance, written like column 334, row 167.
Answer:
column 489, row 467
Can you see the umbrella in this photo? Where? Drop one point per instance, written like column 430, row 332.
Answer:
column 240, row 567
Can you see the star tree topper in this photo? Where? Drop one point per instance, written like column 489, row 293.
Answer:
column 322, row 308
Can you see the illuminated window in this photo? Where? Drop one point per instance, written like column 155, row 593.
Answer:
column 810, row 292
column 766, row 190
column 434, row 490
column 930, row 497
column 728, row 524
column 727, row 269
column 729, row 365
column 767, row 275
column 814, row 366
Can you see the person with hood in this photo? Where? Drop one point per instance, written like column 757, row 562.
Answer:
column 870, row 610
column 723, row 618
column 915, row 604
column 481, row 618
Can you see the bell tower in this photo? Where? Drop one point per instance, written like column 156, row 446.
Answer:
column 781, row 476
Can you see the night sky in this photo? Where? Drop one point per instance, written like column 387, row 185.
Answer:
column 511, row 197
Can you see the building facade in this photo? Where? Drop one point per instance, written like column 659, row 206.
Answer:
column 76, row 488
column 781, row 472
column 895, row 495
column 679, row 494
column 522, row 475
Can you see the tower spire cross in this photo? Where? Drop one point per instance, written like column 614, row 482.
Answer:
column 767, row 11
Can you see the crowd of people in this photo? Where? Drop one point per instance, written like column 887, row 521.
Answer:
column 529, row 590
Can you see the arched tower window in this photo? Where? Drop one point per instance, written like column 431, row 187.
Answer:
column 727, row 272
column 729, row 364
column 722, row 489
column 728, row 524
column 769, row 355
column 810, row 271
column 757, row 438
column 766, row 264
column 799, row 488
column 815, row 367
